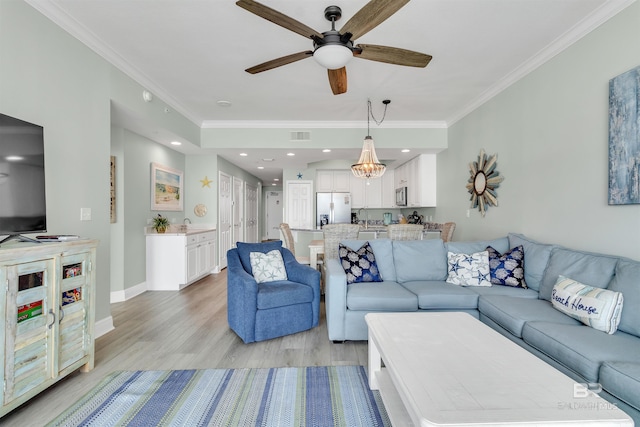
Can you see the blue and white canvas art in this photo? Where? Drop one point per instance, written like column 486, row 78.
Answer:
column 624, row 138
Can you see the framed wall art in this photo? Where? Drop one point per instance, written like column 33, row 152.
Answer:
column 166, row 188
column 624, row 138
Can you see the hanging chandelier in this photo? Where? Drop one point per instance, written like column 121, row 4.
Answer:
column 368, row 165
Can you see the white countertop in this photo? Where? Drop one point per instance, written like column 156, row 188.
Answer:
column 179, row 230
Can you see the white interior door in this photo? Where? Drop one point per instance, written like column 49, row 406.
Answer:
column 224, row 218
column 299, row 204
column 273, row 209
column 251, row 213
column 238, row 211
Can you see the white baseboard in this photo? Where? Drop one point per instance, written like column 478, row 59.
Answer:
column 121, row 296
column 103, row 326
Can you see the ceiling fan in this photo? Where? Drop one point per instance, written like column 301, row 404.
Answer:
column 333, row 49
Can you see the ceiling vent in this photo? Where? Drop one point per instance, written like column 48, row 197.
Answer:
column 301, row 136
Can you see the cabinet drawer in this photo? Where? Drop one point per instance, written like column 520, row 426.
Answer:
column 209, row 235
column 192, row 238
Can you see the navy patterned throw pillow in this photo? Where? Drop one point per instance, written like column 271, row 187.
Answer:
column 507, row 269
column 360, row 265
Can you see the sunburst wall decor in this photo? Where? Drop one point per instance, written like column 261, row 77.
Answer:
column 483, row 182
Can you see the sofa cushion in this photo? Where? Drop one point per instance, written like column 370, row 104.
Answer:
column 591, row 269
column 267, row 267
column 536, row 258
column 622, row 379
column 383, row 251
column 245, row 249
column 506, row 291
column 282, row 293
column 468, row 269
column 507, row 269
column 595, row 307
column 381, row 296
column 442, row 296
column 580, row 348
column 501, row 245
column 359, row 265
column 627, row 281
column 419, row 260
column 512, row 313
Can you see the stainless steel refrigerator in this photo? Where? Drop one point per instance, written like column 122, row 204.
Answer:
column 333, row 208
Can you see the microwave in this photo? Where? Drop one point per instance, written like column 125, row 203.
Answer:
column 401, row 196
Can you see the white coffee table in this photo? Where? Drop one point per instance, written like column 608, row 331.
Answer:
column 450, row 369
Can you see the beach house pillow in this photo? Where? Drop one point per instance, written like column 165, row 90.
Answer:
column 595, row 307
column 268, row 267
column 469, row 270
column 359, row 265
column 507, row 269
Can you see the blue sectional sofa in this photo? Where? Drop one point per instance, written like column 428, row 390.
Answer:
column 414, row 277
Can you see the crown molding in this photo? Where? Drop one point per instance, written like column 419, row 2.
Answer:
column 270, row 124
column 571, row 36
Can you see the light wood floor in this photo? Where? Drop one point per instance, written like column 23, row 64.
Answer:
column 183, row 330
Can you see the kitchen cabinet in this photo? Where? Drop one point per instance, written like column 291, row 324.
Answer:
column 176, row 260
column 389, row 189
column 48, row 309
column 419, row 176
column 365, row 193
column 336, row 181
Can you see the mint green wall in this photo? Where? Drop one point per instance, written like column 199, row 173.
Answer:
column 139, row 153
column 550, row 131
column 67, row 92
column 196, row 169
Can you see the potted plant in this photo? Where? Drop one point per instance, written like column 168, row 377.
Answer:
column 160, row 223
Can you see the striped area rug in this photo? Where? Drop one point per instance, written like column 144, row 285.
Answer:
column 306, row 396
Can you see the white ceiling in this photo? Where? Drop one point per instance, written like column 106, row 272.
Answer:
column 193, row 53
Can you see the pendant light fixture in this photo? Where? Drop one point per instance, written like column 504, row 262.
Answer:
column 368, row 165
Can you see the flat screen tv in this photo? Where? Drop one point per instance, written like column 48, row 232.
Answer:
column 22, row 188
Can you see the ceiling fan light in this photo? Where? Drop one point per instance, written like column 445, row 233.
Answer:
column 332, row 56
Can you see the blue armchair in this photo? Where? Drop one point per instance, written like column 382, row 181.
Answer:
column 261, row 311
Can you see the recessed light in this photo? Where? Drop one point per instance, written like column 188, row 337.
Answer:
column 267, row 160
column 326, row 150
column 274, row 183
column 260, row 167
column 14, row 158
column 276, row 179
column 176, row 143
column 223, row 103
column 244, row 154
column 406, row 150
column 291, row 154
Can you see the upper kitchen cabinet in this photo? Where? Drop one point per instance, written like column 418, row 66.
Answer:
column 336, row 181
column 366, row 193
column 419, row 176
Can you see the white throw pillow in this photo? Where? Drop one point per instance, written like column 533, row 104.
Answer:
column 599, row 308
column 268, row 267
column 469, row 270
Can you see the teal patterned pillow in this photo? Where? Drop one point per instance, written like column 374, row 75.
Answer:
column 507, row 269
column 268, row 267
column 360, row 265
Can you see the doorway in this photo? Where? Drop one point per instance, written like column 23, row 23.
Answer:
column 273, row 207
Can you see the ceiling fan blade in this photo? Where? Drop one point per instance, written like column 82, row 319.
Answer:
column 278, row 18
column 278, row 62
column 338, row 80
column 370, row 16
column 393, row 55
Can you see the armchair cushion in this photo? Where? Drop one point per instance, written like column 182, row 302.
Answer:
column 268, row 267
column 245, row 249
